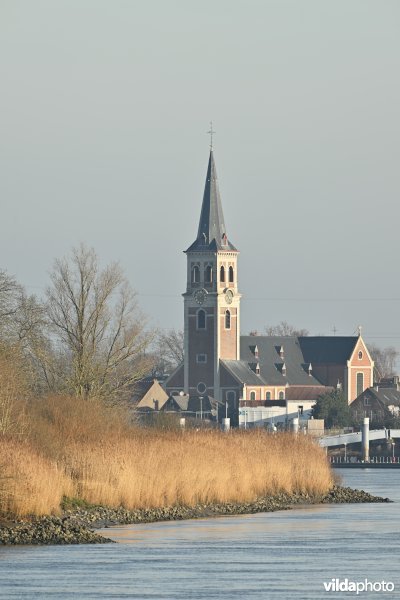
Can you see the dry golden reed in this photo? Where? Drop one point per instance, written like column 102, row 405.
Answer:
column 29, row 482
column 89, row 451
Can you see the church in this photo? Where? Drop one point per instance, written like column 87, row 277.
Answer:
column 251, row 376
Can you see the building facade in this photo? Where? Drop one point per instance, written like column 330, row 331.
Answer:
column 255, row 371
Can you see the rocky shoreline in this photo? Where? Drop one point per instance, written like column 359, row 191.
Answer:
column 77, row 524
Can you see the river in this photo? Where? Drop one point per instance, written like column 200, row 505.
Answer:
column 282, row 555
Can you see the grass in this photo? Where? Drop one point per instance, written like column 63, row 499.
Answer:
column 90, row 452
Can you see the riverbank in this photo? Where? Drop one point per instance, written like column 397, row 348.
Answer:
column 77, row 525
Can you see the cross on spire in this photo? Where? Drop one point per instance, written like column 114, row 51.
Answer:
column 211, row 132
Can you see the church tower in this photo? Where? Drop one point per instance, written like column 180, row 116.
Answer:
column 211, row 300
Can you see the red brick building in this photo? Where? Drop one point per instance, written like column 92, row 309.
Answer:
column 256, row 370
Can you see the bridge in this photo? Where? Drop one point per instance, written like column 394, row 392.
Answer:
column 352, row 438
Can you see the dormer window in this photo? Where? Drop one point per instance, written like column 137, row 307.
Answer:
column 284, row 370
column 310, row 369
column 230, row 274
column 256, row 351
column 257, row 368
column 281, row 352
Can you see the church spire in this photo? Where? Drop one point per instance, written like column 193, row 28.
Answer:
column 211, row 234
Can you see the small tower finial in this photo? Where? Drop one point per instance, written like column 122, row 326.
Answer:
column 359, row 330
column 211, row 132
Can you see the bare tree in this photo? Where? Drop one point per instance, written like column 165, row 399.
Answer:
column 13, row 392
column 169, row 351
column 101, row 337
column 284, row 329
column 385, row 361
column 22, row 323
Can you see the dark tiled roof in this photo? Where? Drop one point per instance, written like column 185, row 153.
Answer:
column 304, row 392
column 193, row 404
column 212, row 231
column 387, row 396
column 241, row 371
column 327, row 349
column 271, row 363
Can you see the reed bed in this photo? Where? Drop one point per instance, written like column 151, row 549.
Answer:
column 29, row 482
column 163, row 469
column 83, row 450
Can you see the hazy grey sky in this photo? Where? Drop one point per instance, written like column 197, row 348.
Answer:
column 104, row 109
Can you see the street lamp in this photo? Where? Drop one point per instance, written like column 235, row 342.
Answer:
column 393, row 450
column 201, row 408
column 345, row 452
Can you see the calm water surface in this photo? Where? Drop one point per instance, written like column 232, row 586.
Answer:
column 283, row 555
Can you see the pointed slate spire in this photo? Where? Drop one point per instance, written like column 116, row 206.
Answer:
column 212, row 232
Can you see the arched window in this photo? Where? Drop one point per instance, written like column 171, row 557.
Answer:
column 230, row 274
column 208, row 276
column 222, row 274
column 252, row 395
column 360, row 355
column 201, row 319
column 195, row 274
column 281, row 395
column 227, row 319
column 268, row 396
column 360, row 383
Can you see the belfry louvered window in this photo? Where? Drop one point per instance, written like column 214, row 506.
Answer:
column 195, row 274
column 208, row 274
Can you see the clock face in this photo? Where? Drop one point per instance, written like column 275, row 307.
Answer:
column 200, row 296
column 229, row 297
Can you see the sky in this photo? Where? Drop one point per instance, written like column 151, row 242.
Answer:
column 104, row 113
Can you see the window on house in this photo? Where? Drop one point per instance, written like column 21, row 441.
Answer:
column 360, row 355
column 252, row 395
column 281, row 395
column 208, row 274
column 227, row 319
column 268, row 396
column 360, row 383
column 367, row 401
column 222, row 274
column 201, row 358
column 230, row 274
column 195, row 274
column 201, row 319
column 231, row 398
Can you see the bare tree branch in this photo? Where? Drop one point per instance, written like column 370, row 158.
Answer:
column 95, row 318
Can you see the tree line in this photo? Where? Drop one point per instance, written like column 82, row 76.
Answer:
column 87, row 337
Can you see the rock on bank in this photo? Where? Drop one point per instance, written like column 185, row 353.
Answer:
column 76, row 526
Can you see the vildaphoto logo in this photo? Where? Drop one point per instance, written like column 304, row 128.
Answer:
column 346, row 585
